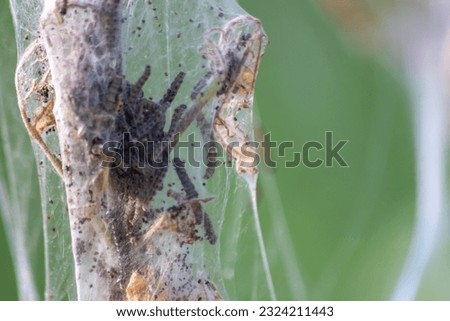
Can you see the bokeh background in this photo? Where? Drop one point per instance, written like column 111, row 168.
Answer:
column 323, row 71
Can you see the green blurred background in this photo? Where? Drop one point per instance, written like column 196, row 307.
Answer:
column 350, row 226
